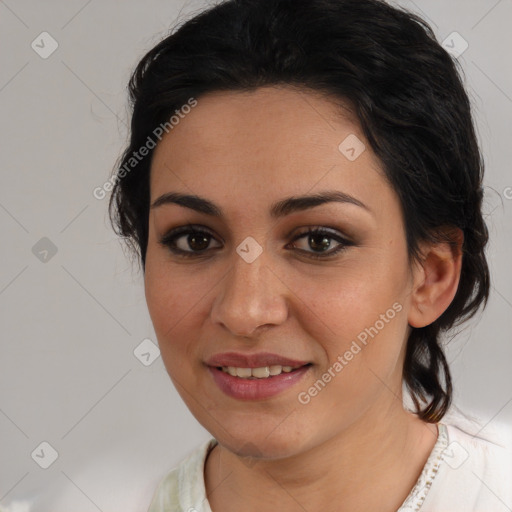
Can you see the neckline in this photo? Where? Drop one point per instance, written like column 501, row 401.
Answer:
column 415, row 498
column 419, row 492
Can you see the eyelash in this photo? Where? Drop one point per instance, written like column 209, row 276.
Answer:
column 169, row 241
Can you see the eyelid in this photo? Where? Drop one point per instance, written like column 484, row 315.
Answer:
column 183, row 230
column 332, row 233
column 168, row 240
column 335, row 232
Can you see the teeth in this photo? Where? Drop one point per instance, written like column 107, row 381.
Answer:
column 243, row 372
column 257, row 373
column 275, row 369
column 260, row 373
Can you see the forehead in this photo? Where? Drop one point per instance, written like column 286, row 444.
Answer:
column 264, row 144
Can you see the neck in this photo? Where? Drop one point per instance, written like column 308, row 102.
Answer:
column 384, row 453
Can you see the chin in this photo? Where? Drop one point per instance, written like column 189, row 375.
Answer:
column 264, row 449
column 261, row 442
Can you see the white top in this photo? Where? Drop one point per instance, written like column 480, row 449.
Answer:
column 464, row 473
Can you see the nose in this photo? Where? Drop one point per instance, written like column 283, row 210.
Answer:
column 250, row 296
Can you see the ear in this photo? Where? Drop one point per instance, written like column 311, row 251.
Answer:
column 436, row 278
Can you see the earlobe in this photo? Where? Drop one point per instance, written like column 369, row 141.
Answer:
column 436, row 278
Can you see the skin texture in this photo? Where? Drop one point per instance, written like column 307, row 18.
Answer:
column 245, row 151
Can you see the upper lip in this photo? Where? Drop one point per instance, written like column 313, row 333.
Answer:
column 258, row 360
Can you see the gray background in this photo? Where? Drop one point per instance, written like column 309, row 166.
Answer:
column 70, row 324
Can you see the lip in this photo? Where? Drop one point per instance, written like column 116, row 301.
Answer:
column 258, row 360
column 256, row 389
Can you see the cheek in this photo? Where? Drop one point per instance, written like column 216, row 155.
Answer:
column 168, row 290
column 356, row 313
column 171, row 300
column 346, row 301
column 360, row 325
column 177, row 300
column 159, row 297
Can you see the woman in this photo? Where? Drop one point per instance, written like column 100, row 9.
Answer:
column 303, row 187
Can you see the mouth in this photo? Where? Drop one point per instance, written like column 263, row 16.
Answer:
column 259, row 383
column 263, row 372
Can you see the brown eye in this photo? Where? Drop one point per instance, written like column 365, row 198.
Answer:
column 187, row 241
column 320, row 241
column 191, row 241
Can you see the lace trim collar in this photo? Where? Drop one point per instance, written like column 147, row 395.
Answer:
column 419, row 492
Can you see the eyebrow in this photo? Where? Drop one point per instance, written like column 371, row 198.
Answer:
column 279, row 209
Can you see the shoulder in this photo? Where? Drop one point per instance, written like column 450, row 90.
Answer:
column 182, row 489
column 484, row 448
column 475, row 469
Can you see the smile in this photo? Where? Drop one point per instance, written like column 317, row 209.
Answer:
column 263, row 372
column 259, row 383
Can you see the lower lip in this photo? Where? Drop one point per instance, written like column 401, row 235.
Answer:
column 256, row 389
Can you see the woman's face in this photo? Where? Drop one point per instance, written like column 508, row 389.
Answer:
column 249, row 283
